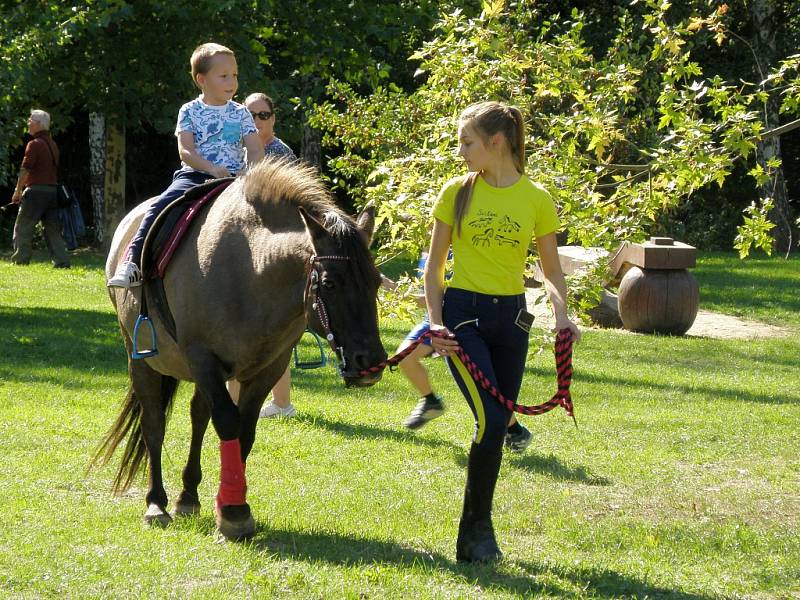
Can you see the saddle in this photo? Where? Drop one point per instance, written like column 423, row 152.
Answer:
column 173, row 222
column 162, row 241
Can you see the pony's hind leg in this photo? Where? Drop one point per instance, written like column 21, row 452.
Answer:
column 155, row 393
column 188, row 502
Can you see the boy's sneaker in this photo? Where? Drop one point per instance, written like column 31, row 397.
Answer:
column 268, row 411
column 518, row 442
column 128, row 275
column 425, row 411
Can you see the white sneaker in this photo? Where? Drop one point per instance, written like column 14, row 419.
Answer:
column 128, row 275
column 271, row 410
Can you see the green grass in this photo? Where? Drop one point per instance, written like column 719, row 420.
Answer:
column 681, row 482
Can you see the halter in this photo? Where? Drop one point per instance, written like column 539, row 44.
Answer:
column 313, row 297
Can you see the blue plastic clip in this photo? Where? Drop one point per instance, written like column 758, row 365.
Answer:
column 153, row 351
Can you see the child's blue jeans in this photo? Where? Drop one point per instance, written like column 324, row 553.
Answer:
column 182, row 180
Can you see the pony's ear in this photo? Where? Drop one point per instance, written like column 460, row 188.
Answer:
column 315, row 229
column 366, row 222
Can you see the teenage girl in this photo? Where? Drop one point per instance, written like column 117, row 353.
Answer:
column 489, row 218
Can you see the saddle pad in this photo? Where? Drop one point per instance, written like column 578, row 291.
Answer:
column 172, row 224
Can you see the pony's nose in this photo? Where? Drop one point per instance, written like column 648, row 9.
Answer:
column 363, row 360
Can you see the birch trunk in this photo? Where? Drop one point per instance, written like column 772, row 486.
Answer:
column 97, row 167
column 766, row 17
column 310, row 146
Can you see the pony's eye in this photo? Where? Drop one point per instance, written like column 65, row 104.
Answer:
column 328, row 284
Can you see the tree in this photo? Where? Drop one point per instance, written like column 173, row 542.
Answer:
column 617, row 139
column 109, row 58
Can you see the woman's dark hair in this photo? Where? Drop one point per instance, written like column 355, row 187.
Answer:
column 487, row 119
column 256, row 96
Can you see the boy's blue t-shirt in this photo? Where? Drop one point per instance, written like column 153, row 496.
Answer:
column 218, row 131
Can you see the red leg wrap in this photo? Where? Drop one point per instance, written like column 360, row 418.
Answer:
column 232, row 482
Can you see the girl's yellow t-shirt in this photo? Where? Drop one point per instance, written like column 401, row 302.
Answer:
column 489, row 255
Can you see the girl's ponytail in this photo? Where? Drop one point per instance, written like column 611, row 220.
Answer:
column 489, row 118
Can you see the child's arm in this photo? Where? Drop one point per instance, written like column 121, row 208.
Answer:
column 190, row 156
column 255, row 149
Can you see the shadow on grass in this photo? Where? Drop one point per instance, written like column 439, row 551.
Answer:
column 34, row 338
column 774, row 396
column 355, row 430
column 551, row 465
column 354, row 551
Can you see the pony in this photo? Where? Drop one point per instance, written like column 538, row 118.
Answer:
column 269, row 257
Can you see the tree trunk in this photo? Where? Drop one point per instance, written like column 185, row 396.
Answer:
column 97, row 164
column 310, row 146
column 766, row 21
column 114, row 187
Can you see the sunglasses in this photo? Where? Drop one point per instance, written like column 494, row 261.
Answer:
column 263, row 115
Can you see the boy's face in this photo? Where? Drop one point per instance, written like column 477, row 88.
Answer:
column 221, row 81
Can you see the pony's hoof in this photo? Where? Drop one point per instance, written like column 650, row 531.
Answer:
column 186, row 510
column 157, row 516
column 235, row 522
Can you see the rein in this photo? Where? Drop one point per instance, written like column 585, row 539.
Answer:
column 562, row 397
column 563, row 352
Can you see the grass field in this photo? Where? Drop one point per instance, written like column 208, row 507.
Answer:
column 683, row 480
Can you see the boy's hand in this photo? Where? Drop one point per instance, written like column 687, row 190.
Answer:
column 219, row 172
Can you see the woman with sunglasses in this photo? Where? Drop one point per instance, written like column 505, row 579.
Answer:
column 263, row 110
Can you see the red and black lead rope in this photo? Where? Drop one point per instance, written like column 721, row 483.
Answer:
column 562, row 397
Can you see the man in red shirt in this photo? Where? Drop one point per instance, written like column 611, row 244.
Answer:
column 36, row 194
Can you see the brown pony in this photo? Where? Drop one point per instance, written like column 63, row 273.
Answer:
column 270, row 256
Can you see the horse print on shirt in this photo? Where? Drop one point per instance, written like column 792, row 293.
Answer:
column 495, row 230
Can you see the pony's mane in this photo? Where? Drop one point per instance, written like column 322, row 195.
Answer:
column 281, row 180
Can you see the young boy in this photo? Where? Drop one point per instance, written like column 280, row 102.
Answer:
column 210, row 132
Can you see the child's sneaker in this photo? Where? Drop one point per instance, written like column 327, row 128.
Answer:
column 128, row 275
column 518, row 442
column 271, row 410
column 425, row 411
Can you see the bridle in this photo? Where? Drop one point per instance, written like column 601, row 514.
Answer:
column 314, row 304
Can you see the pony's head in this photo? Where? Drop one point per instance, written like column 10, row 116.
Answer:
column 340, row 298
column 342, row 280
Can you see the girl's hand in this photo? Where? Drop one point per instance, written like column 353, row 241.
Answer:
column 565, row 323
column 443, row 345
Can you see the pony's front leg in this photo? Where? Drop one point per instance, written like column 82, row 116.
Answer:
column 234, row 519
column 188, row 502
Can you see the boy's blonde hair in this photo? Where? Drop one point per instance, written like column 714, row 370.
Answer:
column 203, row 55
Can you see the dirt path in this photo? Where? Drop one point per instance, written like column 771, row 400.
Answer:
column 707, row 324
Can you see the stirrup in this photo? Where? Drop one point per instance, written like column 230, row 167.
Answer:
column 311, row 364
column 153, row 351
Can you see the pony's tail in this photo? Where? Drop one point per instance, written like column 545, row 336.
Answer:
column 129, row 424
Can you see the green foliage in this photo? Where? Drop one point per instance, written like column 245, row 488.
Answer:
column 754, row 233
column 645, row 102
column 111, row 56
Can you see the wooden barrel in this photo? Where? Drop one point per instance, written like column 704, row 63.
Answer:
column 658, row 300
